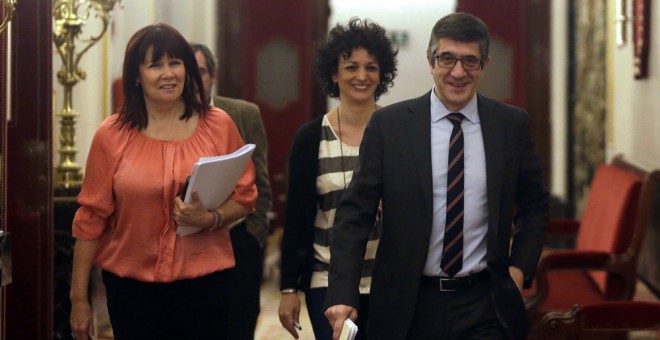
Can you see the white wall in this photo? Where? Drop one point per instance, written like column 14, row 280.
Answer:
column 633, row 118
column 558, row 96
column 635, row 114
column 417, row 17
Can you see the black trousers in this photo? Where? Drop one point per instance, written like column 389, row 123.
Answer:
column 465, row 314
column 244, row 284
column 184, row 309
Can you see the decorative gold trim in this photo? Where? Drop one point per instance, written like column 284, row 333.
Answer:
column 69, row 17
column 9, row 6
column 8, row 76
column 641, row 37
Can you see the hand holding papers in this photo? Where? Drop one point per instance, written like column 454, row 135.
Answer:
column 214, row 178
column 349, row 331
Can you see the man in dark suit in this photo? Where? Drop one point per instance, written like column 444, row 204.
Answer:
column 248, row 237
column 405, row 162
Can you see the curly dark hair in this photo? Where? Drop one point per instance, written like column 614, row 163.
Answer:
column 342, row 40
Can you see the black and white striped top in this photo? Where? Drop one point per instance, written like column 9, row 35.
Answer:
column 331, row 182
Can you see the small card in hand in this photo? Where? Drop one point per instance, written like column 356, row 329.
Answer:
column 349, row 331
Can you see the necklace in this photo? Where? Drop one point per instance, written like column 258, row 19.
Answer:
column 341, row 144
column 341, row 148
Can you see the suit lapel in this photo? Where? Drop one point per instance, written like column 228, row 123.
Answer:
column 493, row 130
column 418, row 130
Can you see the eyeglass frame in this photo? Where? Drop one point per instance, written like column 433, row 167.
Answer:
column 456, row 60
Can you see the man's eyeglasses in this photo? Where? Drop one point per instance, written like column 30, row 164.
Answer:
column 449, row 61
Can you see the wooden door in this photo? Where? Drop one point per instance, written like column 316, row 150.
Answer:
column 28, row 215
column 520, row 67
column 265, row 51
column 5, row 263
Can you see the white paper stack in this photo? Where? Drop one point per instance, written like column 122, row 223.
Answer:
column 349, row 331
column 214, row 178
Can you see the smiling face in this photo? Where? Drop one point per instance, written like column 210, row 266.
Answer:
column 162, row 80
column 456, row 86
column 357, row 76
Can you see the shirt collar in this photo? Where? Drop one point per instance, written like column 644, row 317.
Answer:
column 439, row 111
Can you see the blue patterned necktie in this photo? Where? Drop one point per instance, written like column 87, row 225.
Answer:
column 452, row 253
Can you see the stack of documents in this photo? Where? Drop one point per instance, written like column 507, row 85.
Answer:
column 214, row 178
column 349, row 331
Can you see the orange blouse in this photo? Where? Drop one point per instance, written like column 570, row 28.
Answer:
column 127, row 196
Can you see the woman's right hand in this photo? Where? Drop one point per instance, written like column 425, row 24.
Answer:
column 82, row 322
column 289, row 312
column 81, row 312
column 192, row 214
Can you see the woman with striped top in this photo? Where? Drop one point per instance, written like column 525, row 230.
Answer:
column 356, row 64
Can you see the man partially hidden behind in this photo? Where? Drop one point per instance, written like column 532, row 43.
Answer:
column 464, row 206
column 249, row 236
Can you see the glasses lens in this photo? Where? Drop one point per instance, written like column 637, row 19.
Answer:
column 471, row 63
column 446, row 61
column 449, row 61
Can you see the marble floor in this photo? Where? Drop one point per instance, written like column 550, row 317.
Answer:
column 268, row 325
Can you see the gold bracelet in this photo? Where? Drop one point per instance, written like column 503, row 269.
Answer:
column 221, row 218
column 215, row 220
column 218, row 219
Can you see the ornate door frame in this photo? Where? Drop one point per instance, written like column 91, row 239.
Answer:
column 28, row 176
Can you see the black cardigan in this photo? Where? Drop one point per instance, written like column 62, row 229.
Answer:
column 301, row 207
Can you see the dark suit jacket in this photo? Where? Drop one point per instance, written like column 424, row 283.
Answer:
column 247, row 118
column 395, row 164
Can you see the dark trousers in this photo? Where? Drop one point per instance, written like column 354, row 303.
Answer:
column 244, row 284
column 315, row 298
column 465, row 314
column 184, row 309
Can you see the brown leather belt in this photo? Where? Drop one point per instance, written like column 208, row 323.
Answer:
column 453, row 284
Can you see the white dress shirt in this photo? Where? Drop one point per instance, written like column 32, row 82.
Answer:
column 475, row 221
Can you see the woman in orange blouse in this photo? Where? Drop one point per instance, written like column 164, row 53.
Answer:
column 159, row 285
